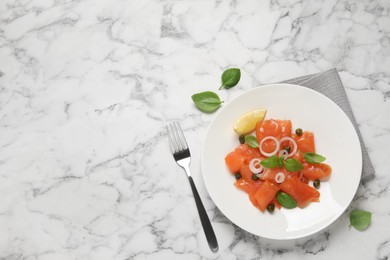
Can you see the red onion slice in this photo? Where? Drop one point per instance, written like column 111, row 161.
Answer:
column 255, row 166
column 269, row 138
column 279, row 177
column 283, row 153
column 293, row 151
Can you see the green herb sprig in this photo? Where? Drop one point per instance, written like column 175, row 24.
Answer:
column 251, row 141
column 360, row 219
column 270, row 162
column 207, row 101
column 291, row 164
column 313, row 158
column 286, row 200
column 230, row 78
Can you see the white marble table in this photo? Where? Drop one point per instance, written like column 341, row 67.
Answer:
column 86, row 88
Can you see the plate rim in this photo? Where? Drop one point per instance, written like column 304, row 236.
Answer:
column 332, row 221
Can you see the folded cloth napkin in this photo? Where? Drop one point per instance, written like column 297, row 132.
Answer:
column 329, row 84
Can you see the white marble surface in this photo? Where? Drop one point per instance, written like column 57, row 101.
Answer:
column 86, row 88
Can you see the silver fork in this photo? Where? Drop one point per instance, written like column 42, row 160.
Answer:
column 181, row 153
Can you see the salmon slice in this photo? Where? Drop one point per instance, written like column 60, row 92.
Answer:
column 266, row 194
column 298, row 156
column 242, row 154
column 234, row 161
column 301, row 192
column 272, row 127
column 245, row 172
column 305, row 142
column 270, row 174
column 316, row 171
column 247, row 185
column 247, row 151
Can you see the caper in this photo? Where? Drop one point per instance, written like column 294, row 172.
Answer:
column 287, row 148
column 241, row 138
column 316, row 183
column 237, row 175
column 271, row 207
column 255, row 177
column 299, row 131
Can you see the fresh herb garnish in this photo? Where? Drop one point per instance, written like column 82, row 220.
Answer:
column 230, row 78
column 286, row 200
column 280, row 162
column 207, row 101
column 360, row 219
column 270, row 162
column 313, row 158
column 251, row 141
column 292, row 165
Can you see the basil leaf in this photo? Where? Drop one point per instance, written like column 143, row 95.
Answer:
column 313, row 158
column 270, row 162
column 207, row 101
column 360, row 219
column 230, row 78
column 292, row 165
column 280, row 162
column 286, row 200
column 251, row 141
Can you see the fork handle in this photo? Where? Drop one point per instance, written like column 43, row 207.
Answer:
column 204, row 219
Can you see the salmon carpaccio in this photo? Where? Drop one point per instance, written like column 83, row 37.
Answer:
column 263, row 187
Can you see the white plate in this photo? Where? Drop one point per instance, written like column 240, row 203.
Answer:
column 335, row 138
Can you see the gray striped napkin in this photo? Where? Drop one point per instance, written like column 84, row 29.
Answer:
column 329, row 84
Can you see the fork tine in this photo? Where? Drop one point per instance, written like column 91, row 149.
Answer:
column 169, row 133
column 174, row 139
column 182, row 137
column 177, row 137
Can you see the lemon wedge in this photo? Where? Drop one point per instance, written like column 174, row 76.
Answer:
column 247, row 123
